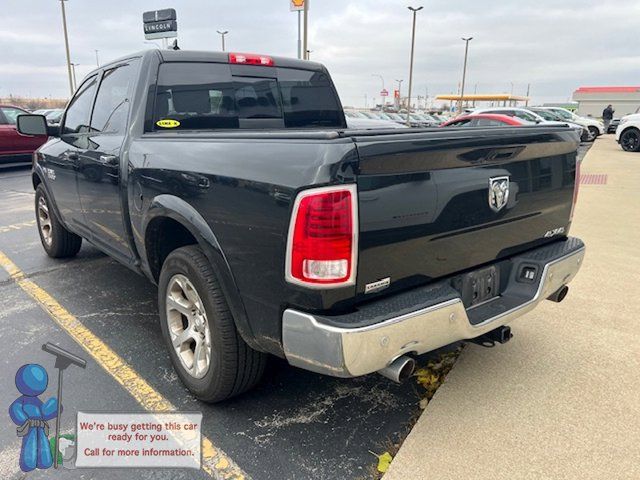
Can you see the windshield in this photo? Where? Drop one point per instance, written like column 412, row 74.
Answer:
column 547, row 115
column 564, row 114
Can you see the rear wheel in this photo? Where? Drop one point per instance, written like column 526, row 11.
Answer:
column 205, row 347
column 56, row 240
column 630, row 140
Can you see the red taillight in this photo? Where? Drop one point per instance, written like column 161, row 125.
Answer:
column 576, row 187
column 322, row 243
column 251, row 59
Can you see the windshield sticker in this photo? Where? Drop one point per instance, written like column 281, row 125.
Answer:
column 168, row 123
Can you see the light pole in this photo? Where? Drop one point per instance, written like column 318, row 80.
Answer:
column 97, row 59
column 382, row 80
column 66, row 44
column 309, row 52
column 413, row 41
column 73, row 68
column 222, row 34
column 305, row 43
column 464, row 72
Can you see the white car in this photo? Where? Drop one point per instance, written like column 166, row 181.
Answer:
column 628, row 133
column 596, row 127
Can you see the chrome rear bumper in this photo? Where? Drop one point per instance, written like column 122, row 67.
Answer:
column 316, row 343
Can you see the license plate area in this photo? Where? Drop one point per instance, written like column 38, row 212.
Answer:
column 478, row 286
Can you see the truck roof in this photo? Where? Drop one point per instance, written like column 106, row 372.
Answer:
column 214, row 56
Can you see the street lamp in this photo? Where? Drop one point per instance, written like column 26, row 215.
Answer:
column 97, row 59
column 73, row 67
column 382, row 80
column 309, row 52
column 66, row 44
column 222, row 34
column 464, row 72
column 413, row 41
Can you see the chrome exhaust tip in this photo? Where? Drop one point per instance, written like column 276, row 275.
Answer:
column 559, row 295
column 400, row 369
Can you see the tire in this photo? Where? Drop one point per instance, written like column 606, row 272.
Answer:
column 594, row 132
column 56, row 240
column 232, row 367
column 630, row 140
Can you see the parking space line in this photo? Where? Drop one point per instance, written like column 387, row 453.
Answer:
column 215, row 462
column 17, row 226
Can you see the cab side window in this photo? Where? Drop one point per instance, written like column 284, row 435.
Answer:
column 111, row 109
column 77, row 117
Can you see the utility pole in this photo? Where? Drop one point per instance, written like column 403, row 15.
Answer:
column 413, row 41
column 222, row 34
column 528, row 91
column 66, row 44
column 382, row 80
column 309, row 52
column 97, row 59
column 464, row 72
column 305, row 43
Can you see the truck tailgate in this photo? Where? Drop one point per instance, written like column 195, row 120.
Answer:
column 433, row 203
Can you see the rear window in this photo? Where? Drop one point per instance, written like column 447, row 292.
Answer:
column 203, row 96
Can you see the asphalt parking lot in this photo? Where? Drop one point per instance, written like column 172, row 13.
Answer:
column 295, row 425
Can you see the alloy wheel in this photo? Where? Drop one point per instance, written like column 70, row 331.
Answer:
column 630, row 141
column 188, row 326
column 44, row 220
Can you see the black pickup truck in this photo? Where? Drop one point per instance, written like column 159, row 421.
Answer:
column 233, row 183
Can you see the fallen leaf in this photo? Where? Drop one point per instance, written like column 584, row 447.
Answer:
column 384, row 461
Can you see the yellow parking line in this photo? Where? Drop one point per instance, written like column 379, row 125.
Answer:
column 215, row 461
column 17, row 226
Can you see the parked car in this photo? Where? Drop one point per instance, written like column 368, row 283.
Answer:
column 628, row 133
column 596, row 127
column 371, row 124
column 54, row 116
column 528, row 115
column 484, row 120
column 346, row 252
column 613, row 125
column 396, row 117
column 586, row 136
column 15, row 149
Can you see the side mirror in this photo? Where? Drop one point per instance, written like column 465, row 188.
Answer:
column 32, row 125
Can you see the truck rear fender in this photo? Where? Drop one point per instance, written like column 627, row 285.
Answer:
column 170, row 208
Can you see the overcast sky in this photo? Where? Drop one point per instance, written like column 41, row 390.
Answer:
column 555, row 45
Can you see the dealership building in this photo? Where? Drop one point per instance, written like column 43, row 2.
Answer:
column 593, row 100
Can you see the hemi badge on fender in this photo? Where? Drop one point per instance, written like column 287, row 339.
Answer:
column 377, row 286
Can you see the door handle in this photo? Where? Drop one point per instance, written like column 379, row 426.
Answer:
column 110, row 160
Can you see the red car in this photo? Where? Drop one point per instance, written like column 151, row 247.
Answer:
column 484, row 120
column 15, row 148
